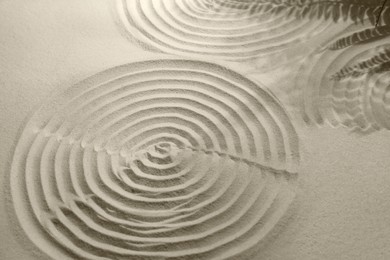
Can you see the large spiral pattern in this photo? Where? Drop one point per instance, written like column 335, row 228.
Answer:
column 358, row 103
column 206, row 28
column 157, row 159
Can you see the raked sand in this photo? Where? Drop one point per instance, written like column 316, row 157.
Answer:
column 126, row 140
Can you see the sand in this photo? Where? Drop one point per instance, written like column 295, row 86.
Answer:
column 318, row 182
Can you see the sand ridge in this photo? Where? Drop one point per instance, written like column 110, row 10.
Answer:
column 163, row 158
column 358, row 103
column 211, row 29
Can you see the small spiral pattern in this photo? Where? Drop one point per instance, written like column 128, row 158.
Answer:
column 218, row 30
column 157, row 159
column 376, row 101
column 357, row 103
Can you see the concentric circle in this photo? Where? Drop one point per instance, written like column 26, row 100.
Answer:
column 157, row 159
column 209, row 28
column 352, row 102
column 377, row 100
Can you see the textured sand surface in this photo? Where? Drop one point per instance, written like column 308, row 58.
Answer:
column 205, row 29
column 158, row 158
column 332, row 205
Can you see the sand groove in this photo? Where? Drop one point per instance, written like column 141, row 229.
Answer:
column 153, row 160
column 209, row 28
column 338, row 92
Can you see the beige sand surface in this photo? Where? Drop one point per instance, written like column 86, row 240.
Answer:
column 342, row 208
